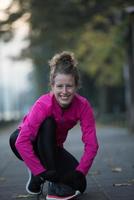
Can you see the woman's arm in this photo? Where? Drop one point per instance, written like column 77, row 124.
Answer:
column 87, row 123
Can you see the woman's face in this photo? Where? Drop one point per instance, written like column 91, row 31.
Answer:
column 64, row 89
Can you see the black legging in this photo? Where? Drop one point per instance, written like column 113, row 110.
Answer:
column 51, row 156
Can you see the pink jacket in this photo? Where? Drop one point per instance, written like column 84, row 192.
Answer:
column 79, row 110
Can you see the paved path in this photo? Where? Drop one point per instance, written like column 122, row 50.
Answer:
column 111, row 176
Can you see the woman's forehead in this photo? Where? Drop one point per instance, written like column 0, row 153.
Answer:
column 64, row 78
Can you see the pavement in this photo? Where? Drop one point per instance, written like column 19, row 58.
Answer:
column 110, row 178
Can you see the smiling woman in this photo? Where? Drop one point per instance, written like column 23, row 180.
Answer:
column 39, row 139
column 64, row 89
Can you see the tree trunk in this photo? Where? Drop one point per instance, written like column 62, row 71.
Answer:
column 130, row 56
column 102, row 95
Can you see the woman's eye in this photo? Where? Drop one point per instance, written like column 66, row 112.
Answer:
column 69, row 86
column 59, row 86
column 66, row 86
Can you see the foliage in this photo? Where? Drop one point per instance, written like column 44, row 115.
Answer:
column 92, row 29
column 102, row 55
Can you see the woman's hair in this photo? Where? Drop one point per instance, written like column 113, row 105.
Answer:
column 64, row 63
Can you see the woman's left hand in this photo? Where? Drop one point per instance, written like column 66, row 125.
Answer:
column 75, row 179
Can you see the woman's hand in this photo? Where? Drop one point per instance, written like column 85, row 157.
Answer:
column 75, row 179
column 49, row 175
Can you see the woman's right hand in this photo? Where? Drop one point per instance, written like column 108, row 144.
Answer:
column 49, row 175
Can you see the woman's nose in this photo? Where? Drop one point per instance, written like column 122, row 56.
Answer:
column 64, row 89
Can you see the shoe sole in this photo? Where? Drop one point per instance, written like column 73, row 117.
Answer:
column 33, row 193
column 53, row 197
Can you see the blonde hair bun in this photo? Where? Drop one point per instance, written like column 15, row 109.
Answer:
column 63, row 59
column 64, row 63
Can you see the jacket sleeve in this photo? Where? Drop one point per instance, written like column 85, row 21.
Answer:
column 28, row 132
column 87, row 123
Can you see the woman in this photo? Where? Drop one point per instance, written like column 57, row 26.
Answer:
column 39, row 139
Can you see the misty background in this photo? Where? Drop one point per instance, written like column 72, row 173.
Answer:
column 100, row 33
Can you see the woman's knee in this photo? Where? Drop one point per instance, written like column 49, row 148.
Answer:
column 46, row 137
column 47, row 130
column 48, row 124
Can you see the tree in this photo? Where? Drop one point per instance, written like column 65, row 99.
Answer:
column 130, row 66
column 92, row 29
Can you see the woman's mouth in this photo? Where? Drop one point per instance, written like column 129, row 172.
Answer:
column 64, row 97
